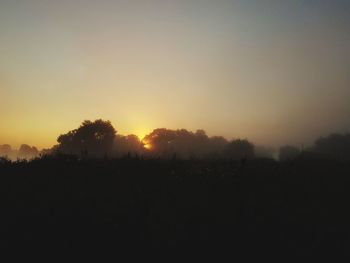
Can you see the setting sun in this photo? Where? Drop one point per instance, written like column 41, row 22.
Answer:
column 147, row 146
column 176, row 125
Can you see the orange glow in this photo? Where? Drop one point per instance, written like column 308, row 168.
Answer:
column 115, row 61
column 141, row 133
column 147, row 145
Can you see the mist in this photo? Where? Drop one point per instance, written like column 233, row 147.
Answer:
column 275, row 72
column 24, row 152
column 99, row 139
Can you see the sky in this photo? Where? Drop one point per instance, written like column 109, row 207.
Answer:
column 275, row 72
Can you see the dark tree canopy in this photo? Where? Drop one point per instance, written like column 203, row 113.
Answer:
column 265, row 152
column 127, row 145
column 98, row 139
column 335, row 145
column 91, row 139
column 184, row 144
column 239, row 149
column 288, row 153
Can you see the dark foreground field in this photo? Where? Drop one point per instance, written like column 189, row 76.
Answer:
column 254, row 209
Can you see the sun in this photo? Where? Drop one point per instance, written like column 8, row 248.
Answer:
column 147, row 146
column 141, row 133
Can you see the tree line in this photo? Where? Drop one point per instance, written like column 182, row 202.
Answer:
column 99, row 139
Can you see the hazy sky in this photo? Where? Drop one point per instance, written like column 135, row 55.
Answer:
column 272, row 71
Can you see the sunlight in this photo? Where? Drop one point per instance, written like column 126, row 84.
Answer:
column 141, row 133
column 147, row 146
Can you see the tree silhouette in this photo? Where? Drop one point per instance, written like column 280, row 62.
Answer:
column 5, row 150
column 335, row 145
column 124, row 145
column 239, row 149
column 264, row 152
column 162, row 141
column 91, row 139
column 185, row 144
column 288, row 153
column 26, row 151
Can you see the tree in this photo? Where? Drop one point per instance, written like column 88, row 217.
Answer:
column 5, row 150
column 163, row 141
column 335, row 146
column 27, row 152
column 264, row 152
column 124, row 145
column 288, row 153
column 239, row 149
column 91, row 139
column 184, row 144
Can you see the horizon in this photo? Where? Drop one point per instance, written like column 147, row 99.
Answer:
column 142, row 137
column 276, row 73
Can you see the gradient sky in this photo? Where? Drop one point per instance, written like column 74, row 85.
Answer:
column 272, row 71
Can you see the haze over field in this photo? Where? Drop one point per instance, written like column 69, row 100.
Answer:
column 275, row 72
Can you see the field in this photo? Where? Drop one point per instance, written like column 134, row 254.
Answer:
column 298, row 208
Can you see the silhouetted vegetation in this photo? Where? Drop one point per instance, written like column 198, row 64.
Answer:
column 127, row 145
column 5, row 149
column 27, row 152
column 176, row 189
column 99, row 139
column 287, row 153
column 184, row 144
column 265, row 206
column 91, row 139
column 265, row 152
column 334, row 146
column 240, row 149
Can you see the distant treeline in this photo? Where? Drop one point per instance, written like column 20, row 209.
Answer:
column 99, row 139
column 24, row 152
